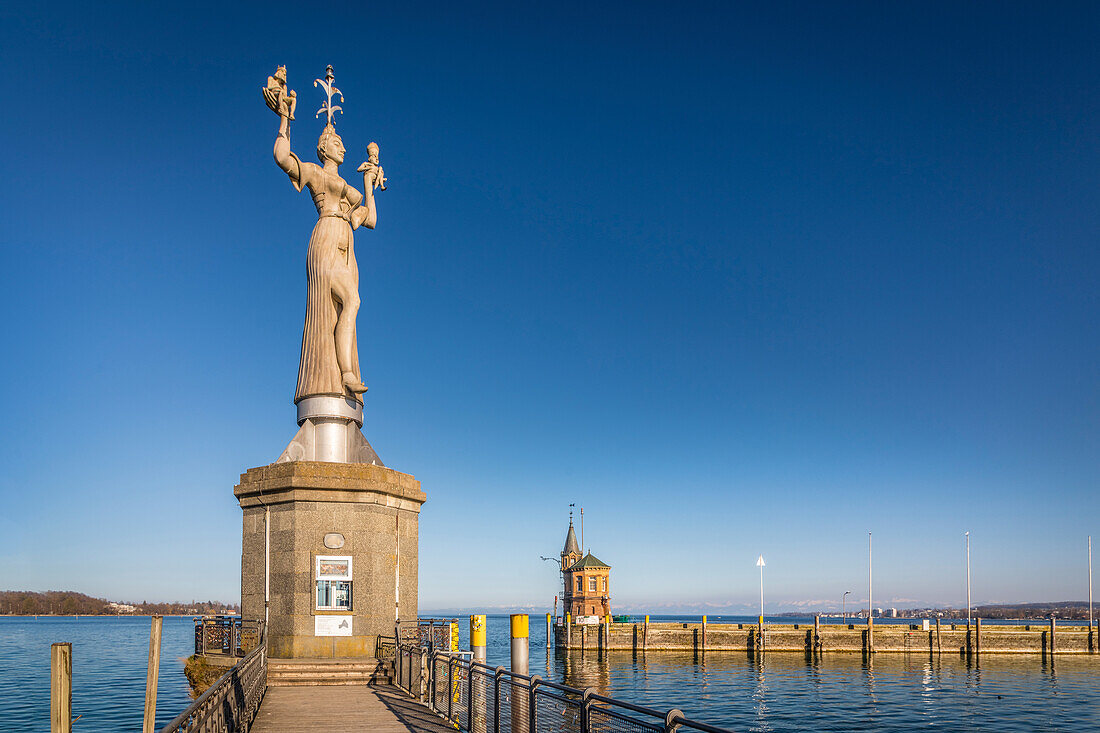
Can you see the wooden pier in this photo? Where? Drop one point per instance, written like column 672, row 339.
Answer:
column 344, row 708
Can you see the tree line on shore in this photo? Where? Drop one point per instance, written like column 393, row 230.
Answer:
column 1060, row 609
column 71, row 603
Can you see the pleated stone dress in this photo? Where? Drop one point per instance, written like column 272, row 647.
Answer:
column 331, row 256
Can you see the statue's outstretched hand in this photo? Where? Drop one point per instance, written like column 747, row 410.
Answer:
column 279, row 100
column 273, row 98
column 372, row 175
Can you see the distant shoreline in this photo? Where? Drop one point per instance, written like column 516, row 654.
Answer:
column 107, row 615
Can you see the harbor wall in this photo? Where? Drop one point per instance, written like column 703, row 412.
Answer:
column 1041, row 638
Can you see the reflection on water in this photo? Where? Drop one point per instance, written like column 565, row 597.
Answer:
column 797, row 692
column 793, row 692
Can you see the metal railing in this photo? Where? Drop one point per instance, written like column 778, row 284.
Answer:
column 229, row 635
column 385, row 648
column 477, row 698
column 230, row 704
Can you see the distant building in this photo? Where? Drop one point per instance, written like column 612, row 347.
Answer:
column 878, row 612
column 892, row 613
column 585, row 580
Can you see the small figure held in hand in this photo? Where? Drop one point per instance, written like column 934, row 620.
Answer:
column 373, row 175
column 278, row 98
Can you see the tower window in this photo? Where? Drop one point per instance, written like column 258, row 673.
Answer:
column 579, row 586
column 592, row 585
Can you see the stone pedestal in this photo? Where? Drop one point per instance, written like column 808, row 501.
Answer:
column 368, row 512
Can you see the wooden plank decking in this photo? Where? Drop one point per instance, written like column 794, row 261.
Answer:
column 344, row 709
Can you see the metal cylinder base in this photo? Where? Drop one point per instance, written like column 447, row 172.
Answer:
column 325, row 406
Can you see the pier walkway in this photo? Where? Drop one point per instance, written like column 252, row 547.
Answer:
column 344, row 709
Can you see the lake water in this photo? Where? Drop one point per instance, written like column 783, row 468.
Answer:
column 109, row 665
column 784, row 692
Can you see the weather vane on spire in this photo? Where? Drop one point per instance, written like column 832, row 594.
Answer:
column 331, row 91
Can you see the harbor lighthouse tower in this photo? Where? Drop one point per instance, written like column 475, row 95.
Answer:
column 586, row 580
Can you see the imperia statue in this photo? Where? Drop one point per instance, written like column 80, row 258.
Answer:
column 329, row 364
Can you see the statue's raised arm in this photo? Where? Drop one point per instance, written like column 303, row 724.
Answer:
column 282, row 101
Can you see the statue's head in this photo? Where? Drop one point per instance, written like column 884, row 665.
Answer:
column 280, row 74
column 330, row 146
column 372, row 152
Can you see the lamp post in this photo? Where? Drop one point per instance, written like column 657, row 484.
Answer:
column 760, row 564
column 870, row 599
column 1090, row 584
column 843, row 615
column 968, row 582
column 556, row 561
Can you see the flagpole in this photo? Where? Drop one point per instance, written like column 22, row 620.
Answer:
column 870, row 604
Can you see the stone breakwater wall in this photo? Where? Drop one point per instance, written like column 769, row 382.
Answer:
column 1040, row 638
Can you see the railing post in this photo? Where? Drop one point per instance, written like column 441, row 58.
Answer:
column 496, row 698
column 472, row 709
column 424, row 673
column 61, row 688
column 432, row 681
column 586, row 702
column 670, row 720
column 532, row 723
column 450, row 686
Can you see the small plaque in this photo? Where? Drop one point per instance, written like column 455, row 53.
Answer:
column 334, row 540
column 332, row 625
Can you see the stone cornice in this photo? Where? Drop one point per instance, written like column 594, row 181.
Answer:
column 357, row 483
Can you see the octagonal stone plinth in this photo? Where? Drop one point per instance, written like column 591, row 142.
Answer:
column 374, row 508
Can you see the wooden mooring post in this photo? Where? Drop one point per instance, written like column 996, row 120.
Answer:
column 645, row 634
column 152, row 673
column 1053, row 647
column 978, row 636
column 61, row 688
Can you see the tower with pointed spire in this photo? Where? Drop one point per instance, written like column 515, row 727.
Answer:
column 585, row 579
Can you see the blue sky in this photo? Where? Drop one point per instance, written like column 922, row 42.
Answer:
column 738, row 279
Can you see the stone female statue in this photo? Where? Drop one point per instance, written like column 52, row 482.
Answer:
column 330, row 361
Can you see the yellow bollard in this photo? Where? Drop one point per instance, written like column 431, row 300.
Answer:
column 521, row 637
